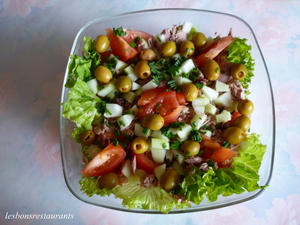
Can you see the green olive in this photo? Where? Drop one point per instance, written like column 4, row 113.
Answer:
column 87, row 137
column 123, row 84
column 108, row 181
column 233, row 135
column 190, row 91
column 211, row 70
column 245, row 107
column 167, row 49
column 101, row 43
column 139, row 145
column 238, row 71
column 147, row 54
column 142, row 69
column 153, row 121
column 243, row 122
column 187, row 49
column 103, row 74
column 199, row 39
column 190, row 147
column 169, row 180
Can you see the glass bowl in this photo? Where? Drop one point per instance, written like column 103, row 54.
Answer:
column 153, row 22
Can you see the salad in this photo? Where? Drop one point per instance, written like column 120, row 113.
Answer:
column 164, row 119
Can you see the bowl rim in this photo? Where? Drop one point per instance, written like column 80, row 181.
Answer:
column 187, row 210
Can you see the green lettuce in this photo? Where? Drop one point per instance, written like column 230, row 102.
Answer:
column 81, row 106
column 240, row 52
column 83, row 67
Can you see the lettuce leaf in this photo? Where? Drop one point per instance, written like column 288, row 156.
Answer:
column 81, row 106
column 83, row 67
column 227, row 181
column 240, row 52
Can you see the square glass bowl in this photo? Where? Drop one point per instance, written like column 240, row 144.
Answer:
column 153, row 22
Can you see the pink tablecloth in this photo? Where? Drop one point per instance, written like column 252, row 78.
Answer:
column 35, row 42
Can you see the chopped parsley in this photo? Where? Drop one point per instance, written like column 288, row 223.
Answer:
column 119, row 31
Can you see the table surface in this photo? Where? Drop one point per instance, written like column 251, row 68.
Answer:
column 35, row 42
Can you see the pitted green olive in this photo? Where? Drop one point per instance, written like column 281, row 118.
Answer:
column 139, row 145
column 245, row 107
column 238, row 71
column 123, row 84
column 147, row 54
column 167, row 49
column 103, row 74
column 101, row 43
column 243, row 122
column 87, row 137
column 211, row 70
column 199, row 39
column 153, row 121
column 108, row 181
column 187, row 49
column 190, row 91
column 169, row 180
column 142, row 69
column 233, row 135
column 190, row 147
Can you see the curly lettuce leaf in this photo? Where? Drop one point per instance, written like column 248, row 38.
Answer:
column 227, row 181
column 81, row 106
column 240, row 52
column 83, row 67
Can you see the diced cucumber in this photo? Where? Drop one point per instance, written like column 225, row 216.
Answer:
column 221, row 87
column 160, row 143
column 158, row 155
column 210, row 93
column 148, row 86
column 198, row 120
column 127, row 168
column 107, row 88
column 93, row 85
column 120, row 65
column 113, row 110
column 125, row 120
column 132, row 76
column 134, row 110
column 139, row 92
column 140, row 131
column 129, row 96
column 199, row 108
column 184, row 131
column 187, row 26
column 158, row 134
column 135, row 86
column 187, row 66
column 224, row 116
column 159, row 171
column 179, row 156
column 144, row 43
column 202, row 100
column 178, row 167
column 112, row 94
column 129, row 69
column 182, row 80
column 208, row 133
column 160, row 39
column 210, row 109
column 224, row 99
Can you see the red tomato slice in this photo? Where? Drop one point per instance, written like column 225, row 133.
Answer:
column 180, row 98
column 131, row 35
column 171, row 117
column 150, row 95
column 144, row 163
column 213, row 150
column 120, row 47
column 105, row 161
column 213, row 50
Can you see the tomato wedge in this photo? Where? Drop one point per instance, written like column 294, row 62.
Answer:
column 144, row 163
column 213, row 150
column 213, row 50
column 131, row 35
column 105, row 161
column 150, row 95
column 120, row 47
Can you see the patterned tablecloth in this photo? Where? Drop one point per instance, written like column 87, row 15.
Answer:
column 35, row 41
